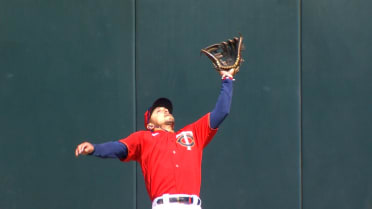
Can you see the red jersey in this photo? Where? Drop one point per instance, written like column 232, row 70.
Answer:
column 171, row 162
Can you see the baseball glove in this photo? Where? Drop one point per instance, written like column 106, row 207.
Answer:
column 226, row 55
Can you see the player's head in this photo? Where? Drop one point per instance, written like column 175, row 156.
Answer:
column 159, row 114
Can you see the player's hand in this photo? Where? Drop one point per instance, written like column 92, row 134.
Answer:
column 84, row 148
column 229, row 73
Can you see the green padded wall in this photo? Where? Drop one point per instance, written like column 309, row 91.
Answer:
column 66, row 76
column 337, row 134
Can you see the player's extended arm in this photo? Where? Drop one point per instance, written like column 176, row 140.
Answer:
column 112, row 149
column 222, row 108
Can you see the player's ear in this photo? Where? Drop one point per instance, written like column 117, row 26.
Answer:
column 150, row 126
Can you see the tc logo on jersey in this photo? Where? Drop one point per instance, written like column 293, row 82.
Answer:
column 186, row 139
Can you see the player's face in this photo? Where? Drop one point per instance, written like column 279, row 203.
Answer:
column 162, row 116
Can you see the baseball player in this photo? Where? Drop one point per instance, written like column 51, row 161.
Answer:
column 170, row 160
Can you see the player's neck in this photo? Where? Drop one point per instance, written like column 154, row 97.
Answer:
column 168, row 128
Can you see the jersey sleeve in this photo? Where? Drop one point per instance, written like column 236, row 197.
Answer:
column 204, row 133
column 134, row 145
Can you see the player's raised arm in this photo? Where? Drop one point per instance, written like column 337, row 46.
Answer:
column 226, row 58
column 223, row 104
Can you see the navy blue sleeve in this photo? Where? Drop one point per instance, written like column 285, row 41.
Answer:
column 112, row 149
column 222, row 108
